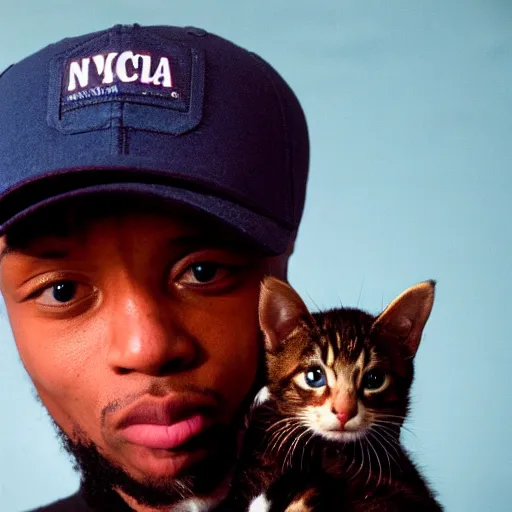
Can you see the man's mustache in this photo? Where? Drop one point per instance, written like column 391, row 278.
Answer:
column 158, row 390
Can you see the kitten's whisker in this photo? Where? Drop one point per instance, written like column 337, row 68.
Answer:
column 289, row 454
column 397, row 426
column 280, row 440
column 384, row 426
column 285, row 435
column 370, row 463
column 314, row 303
column 392, row 428
column 362, row 460
column 385, row 415
column 280, row 422
column 295, row 444
column 282, row 428
column 378, row 460
column 404, row 427
column 390, row 433
column 277, row 433
column 362, row 452
column 360, row 293
column 372, row 434
column 311, row 436
column 271, row 433
column 407, row 429
column 389, row 422
column 184, row 488
column 383, row 437
column 353, row 457
column 278, row 436
column 290, row 448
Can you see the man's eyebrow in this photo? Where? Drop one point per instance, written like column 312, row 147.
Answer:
column 45, row 255
column 52, row 255
column 190, row 239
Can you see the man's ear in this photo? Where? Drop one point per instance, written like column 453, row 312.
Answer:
column 405, row 318
column 280, row 311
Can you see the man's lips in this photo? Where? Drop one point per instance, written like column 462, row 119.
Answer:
column 165, row 437
column 166, row 424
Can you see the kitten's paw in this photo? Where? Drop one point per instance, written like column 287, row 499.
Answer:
column 302, row 502
column 298, row 506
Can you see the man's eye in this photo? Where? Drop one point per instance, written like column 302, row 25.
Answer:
column 205, row 272
column 62, row 293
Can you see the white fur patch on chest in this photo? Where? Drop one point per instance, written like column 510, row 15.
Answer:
column 204, row 503
column 196, row 505
column 262, row 396
column 259, row 504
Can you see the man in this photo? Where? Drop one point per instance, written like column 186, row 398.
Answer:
column 149, row 178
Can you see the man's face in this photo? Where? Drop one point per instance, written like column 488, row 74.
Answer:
column 140, row 334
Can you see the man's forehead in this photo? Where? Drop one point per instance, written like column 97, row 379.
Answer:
column 76, row 227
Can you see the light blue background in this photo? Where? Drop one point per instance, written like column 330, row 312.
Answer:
column 410, row 107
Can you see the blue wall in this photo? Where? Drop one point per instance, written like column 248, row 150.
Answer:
column 410, row 108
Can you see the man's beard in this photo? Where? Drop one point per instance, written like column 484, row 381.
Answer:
column 100, row 477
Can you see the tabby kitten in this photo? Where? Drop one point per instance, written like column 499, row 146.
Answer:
column 324, row 434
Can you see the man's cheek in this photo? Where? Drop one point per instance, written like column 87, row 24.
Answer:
column 236, row 372
column 60, row 374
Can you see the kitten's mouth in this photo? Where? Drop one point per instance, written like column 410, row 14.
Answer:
column 346, row 432
column 345, row 436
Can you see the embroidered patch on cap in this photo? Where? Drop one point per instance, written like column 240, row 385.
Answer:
column 126, row 73
column 136, row 82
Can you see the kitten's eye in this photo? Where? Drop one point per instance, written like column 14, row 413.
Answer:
column 315, row 377
column 374, row 379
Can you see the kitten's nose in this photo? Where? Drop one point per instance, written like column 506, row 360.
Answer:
column 343, row 417
column 344, row 408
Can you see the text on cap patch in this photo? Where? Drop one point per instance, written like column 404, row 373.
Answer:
column 126, row 67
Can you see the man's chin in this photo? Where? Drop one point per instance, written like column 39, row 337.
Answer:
column 152, row 477
column 162, row 465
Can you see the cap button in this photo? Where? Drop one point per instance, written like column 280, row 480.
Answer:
column 194, row 31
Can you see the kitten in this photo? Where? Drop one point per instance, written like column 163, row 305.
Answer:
column 324, row 434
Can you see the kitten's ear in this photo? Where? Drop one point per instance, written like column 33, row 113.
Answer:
column 405, row 318
column 280, row 311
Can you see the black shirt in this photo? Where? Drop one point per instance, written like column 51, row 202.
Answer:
column 76, row 503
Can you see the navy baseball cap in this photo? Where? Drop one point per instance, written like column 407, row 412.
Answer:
column 168, row 113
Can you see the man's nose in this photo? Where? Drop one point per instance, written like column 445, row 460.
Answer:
column 146, row 337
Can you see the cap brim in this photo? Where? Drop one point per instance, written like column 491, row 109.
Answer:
column 267, row 234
